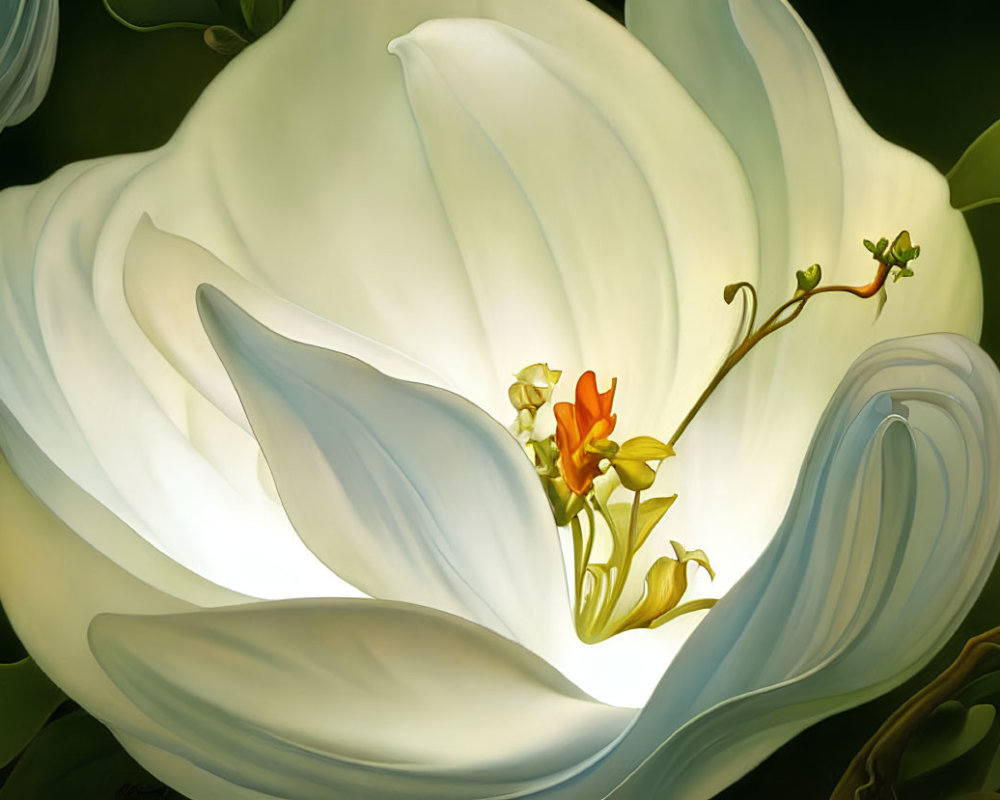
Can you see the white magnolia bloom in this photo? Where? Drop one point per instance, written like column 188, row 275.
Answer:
column 273, row 531
column 28, row 33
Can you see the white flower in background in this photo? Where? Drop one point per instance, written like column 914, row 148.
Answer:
column 28, row 33
column 274, row 532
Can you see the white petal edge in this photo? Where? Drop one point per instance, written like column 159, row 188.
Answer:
column 890, row 536
column 145, row 450
column 27, row 56
column 52, row 584
column 822, row 180
column 606, row 185
column 406, row 491
column 346, row 698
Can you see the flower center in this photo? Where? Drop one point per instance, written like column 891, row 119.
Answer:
column 581, row 467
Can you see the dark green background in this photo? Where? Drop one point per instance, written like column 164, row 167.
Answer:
column 924, row 75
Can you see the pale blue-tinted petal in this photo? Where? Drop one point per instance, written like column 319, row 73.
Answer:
column 155, row 453
column 183, row 776
column 889, row 538
column 406, row 491
column 821, row 181
column 161, row 276
column 28, row 33
column 355, row 698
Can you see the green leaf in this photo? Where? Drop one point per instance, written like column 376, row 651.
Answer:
column 975, row 178
column 992, row 779
column 77, row 757
column 650, row 513
column 27, row 699
column 224, row 41
column 981, row 690
column 262, row 15
column 11, row 648
column 151, row 15
column 948, row 733
column 976, row 796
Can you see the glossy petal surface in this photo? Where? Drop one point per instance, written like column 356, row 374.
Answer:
column 406, row 491
column 369, row 698
column 28, row 34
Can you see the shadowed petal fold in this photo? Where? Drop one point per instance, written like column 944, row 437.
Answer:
column 889, row 538
column 406, row 491
column 346, row 698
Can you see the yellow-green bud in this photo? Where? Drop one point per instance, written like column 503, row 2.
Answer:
column 809, row 278
column 533, row 387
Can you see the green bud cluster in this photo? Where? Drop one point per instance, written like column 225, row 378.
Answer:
column 896, row 256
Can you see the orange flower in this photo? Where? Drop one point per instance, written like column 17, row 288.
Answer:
column 580, row 423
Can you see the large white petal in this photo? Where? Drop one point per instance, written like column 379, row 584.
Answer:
column 143, row 449
column 406, row 491
column 52, row 584
column 355, row 698
column 574, row 214
column 821, row 181
column 369, row 233
column 29, row 31
column 314, row 232
column 889, row 538
column 97, row 526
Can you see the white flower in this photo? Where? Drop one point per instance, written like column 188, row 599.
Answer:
column 28, row 33
column 517, row 182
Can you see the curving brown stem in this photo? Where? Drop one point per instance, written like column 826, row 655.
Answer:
column 778, row 319
column 872, row 773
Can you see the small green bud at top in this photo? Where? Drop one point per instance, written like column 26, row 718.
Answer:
column 902, row 252
column 809, row 278
column 877, row 250
column 899, row 254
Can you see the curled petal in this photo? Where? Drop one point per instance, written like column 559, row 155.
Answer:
column 406, row 491
column 889, row 538
column 28, row 33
